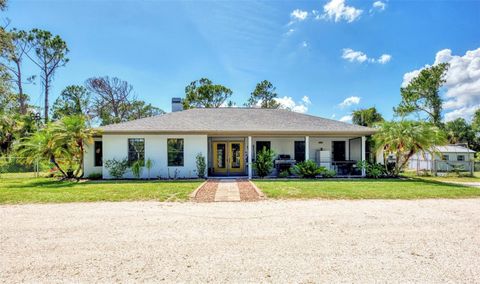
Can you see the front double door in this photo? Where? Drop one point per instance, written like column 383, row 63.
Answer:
column 228, row 158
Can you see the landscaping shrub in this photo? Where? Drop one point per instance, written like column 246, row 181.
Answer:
column 117, row 168
column 326, row 173
column 372, row 170
column 284, row 174
column 264, row 162
column 201, row 165
column 149, row 166
column 308, row 169
column 137, row 168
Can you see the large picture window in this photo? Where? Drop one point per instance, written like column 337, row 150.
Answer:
column 98, row 153
column 136, row 150
column 175, row 152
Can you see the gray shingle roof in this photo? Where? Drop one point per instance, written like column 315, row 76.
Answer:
column 237, row 120
column 453, row 149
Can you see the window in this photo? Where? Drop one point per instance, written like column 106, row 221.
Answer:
column 136, row 150
column 262, row 144
column 299, row 151
column 460, row 158
column 97, row 146
column 175, row 152
column 445, row 157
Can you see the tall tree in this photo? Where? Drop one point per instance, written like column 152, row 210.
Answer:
column 264, row 95
column 476, row 122
column 73, row 100
column 405, row 138
column 366, row 117
column 13, row 55
column 112, row 97
column 50, row 54
column 459, row 131
column 203, row 93
column 140, row 109
column 421, row 95
column 114, row 101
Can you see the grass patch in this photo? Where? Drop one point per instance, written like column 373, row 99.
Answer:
column 16, row 189
column 451, row 177
column 363, row 189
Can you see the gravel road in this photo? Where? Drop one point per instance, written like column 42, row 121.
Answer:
column 267, row 241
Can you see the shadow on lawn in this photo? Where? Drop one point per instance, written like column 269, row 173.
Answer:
column 55, row 183
column 365, row 180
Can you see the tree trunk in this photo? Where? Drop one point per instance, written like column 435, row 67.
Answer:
column 47, row 86
column 21, row 97
column 54, row 161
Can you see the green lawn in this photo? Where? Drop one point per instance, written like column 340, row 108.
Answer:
column 15, row 189
column 363, row 189
column 451, row 177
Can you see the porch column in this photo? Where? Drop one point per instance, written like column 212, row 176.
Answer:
column 364, row 140
column 250, row 170
column 307, row 148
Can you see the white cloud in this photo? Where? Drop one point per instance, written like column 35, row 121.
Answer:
column 352, row 55
column 353, row 100
column 298, row 15
column 289, row 103
column 379, row 5
column 360, row 57
column 304, row 43
column 337, row 10
column 306, row 100
column 290, row 32
column 462, row 87
column 384, row 58
column 346, row 118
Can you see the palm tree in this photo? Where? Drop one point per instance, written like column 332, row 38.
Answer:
column 62, row 142
column 73, row 132
column 43, row 144
column 405, row 138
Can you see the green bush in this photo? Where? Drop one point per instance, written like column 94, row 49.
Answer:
column 308, row 169
column 284, row 174
column 95, row 176
column 117, row 168
column 326, row 173
column 149, row 166
column 372, row 170
column 201, row 165
column 264, row 162
column 137, row 168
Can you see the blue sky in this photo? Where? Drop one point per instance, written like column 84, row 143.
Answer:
column 326, row 51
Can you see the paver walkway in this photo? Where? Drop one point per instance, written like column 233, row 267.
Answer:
column 227, row 190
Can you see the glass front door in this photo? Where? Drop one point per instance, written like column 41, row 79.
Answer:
column 228, row 158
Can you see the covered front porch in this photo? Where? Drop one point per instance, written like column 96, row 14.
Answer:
column 235, row 155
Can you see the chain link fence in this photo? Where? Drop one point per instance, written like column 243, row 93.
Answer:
column 15, row 167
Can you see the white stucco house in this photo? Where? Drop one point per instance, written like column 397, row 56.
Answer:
column 445, row 159
column 228, row 138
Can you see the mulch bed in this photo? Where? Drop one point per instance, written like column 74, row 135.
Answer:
column 207, row 192
column 247, row 192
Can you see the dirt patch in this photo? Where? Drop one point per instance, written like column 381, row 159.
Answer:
column 207, row 192
column 247, row 191
column 317, row 241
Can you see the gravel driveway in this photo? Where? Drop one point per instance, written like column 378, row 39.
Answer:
column 269, row 241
